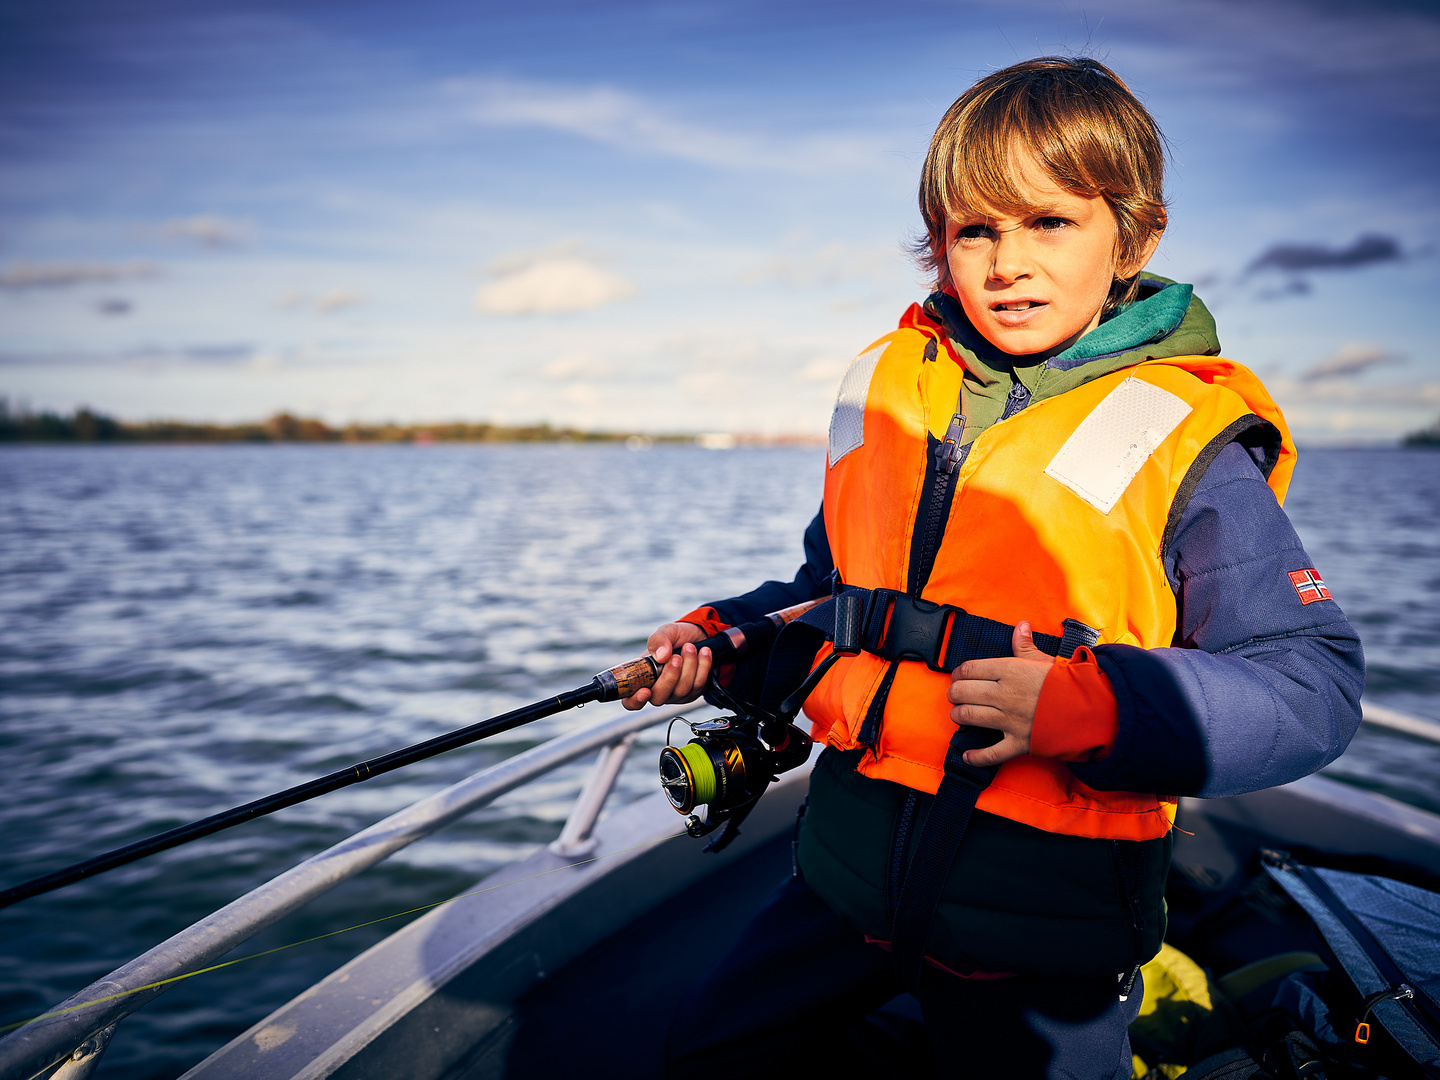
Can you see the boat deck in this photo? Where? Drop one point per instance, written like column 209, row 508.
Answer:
column 614, row 1004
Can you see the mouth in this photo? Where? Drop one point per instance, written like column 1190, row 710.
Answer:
column 1017, row 312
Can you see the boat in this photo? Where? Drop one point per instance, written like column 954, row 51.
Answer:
column 573, row 960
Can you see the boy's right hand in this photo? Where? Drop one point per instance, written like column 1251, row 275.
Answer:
column 686, row 670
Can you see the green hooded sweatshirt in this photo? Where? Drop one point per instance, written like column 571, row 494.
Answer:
column 1166, row 319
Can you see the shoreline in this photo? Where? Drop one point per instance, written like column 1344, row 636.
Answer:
column 95, row 429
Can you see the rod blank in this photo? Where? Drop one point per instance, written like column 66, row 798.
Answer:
column 323, row 785
column 618, row 682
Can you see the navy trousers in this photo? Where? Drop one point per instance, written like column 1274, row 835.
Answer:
column 791, row 999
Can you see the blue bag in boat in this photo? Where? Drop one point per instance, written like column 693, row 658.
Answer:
column 1385, row 936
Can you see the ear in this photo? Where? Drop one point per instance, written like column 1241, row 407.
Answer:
column 942, row 268
column 1130, row 267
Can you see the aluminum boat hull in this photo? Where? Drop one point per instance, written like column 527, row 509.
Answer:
column 581, row 966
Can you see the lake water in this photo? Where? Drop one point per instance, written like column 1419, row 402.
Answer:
column 184, row 629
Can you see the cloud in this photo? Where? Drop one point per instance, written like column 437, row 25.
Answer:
column 517, row 261
column 1352, row 359
column 29, row 275
column 823, row 369
column 338, row 300
column 576, row 366
column 581, row 394
column 1292, row 286
column 1325, row 408
column 830, row 265
column 146, row 356
column 1415, row 395
column 549, row 281
column 1301, row 258
column 326, row 303
column 114, row 305
column 228, row 353
column 206, row 230
column 613, row 117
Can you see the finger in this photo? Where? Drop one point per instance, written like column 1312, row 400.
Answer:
column 1007, row 748
column 636, row 700
column 971, row 715
column 695, row 669
column 689, row 662
column 989, row 670
column 975, row 692
column 664, row 687
column 1022, row 643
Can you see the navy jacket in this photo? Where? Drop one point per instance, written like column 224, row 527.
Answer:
column 1260, row 690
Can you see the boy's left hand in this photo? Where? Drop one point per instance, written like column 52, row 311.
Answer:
column 1001, row 694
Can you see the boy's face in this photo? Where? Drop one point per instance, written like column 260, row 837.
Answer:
column 1037, row 283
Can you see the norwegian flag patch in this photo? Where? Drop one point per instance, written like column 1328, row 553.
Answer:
column 1309, row 586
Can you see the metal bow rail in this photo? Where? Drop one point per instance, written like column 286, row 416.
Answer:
column 78, row 1029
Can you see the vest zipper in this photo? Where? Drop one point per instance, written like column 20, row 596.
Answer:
column 1016, row 400
column 869, row 734
column 937, row 494
column 900, row 847
column 945, row 457
column 935, row 497
column 1132, row 897
column 948, row 455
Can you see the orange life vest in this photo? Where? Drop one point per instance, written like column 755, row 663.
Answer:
column 1059, row 511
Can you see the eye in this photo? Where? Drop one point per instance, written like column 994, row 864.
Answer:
column 976, row 231
column 1053, row 224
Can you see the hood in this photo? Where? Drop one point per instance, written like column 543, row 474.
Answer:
column 1166, row 320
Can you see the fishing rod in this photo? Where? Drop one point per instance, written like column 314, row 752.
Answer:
column 611, row 685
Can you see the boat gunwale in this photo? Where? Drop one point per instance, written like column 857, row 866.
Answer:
column 98, row 1007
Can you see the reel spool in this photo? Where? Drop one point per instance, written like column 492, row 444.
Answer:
column 725, row 768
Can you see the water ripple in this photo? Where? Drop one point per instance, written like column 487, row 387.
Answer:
column 183, row 629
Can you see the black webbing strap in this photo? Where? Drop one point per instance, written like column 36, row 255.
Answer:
column 935, row 852
column 899, row 626
column 793, row 655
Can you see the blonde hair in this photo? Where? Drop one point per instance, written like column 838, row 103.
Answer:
column 1083, row 126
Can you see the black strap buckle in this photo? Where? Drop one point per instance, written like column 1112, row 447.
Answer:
column 918, row 629
column 970, row 738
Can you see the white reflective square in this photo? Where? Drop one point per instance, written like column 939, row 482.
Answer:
column 847, row 422
column 1105, row 452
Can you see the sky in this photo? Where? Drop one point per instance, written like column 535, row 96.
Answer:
column 665, row 216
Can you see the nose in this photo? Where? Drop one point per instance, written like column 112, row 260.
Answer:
column 1010, row 258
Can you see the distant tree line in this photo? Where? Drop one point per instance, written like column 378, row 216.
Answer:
column 85, row 425
column 1429, row 436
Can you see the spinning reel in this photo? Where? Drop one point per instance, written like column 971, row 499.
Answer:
column 730, row 761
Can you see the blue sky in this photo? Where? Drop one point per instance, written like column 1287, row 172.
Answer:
column 657, row 216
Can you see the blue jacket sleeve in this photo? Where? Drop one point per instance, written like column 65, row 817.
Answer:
column 1263, row 689
column 812, row 580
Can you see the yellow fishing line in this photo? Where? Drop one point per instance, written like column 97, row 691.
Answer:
column 321, row 937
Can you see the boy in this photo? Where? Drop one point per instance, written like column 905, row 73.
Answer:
column 1053, row 443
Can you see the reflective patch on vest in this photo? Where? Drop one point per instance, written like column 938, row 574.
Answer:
column 1105, row 452
column 847, row 422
